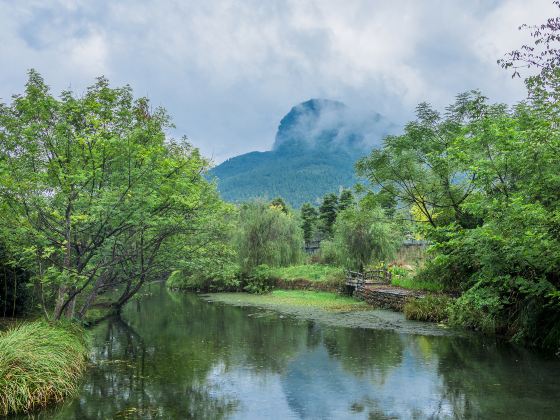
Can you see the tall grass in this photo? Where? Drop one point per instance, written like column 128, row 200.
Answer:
column 40, row 363
column 432, row 308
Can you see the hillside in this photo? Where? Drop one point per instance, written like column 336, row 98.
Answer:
column 314, row 152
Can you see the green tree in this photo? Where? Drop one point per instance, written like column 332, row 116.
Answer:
column 416, row 169
column 345, row 200
column 279, row 203
column 97, row 190
column 309, row 217
column 363, row 235
column 267, row 236
column 327, row 213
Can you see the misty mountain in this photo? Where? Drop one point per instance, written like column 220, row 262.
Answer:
column 316, row 146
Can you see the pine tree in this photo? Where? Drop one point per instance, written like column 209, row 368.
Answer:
column 346, row 199
column 309, row 220
column 327, row 213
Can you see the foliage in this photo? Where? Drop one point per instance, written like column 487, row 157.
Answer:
column 327, row 214
column 40, row 363
column 417, row 170
column 309, row 218
column 363, row 235
column 312, row 272
column 328, row 253
column 478, row 309
column 258, row 280
column 278, row 203
column 402, row 277
column 432, row 308
column 225, row 278
column 267, row 236
column 482, row 182
column 99, row 194
column 345, row 200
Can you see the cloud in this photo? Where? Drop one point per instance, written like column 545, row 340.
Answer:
column 228, row 70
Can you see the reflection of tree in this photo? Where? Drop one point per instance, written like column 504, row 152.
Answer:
column 176, row 356
column 364, row 352
column 131, row 379
column 485, row 378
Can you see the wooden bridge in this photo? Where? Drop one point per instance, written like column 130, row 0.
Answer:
column 375, row 288
column 357, row 279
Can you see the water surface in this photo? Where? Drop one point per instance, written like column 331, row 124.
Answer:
column 174, row 355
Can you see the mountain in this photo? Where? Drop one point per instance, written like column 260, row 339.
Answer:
column 316, row 146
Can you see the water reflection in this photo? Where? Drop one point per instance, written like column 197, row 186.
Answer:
column 176, row 356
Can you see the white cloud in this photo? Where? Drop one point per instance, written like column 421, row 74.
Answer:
column 228, row 70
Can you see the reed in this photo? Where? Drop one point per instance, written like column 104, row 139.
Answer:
column 40, row 363
column 433, row 308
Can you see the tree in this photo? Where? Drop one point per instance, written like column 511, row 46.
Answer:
column 267, row 236
column 417, row 168
column 363, row 235
column 309, row 217
column 327, row 213
column 345, row 200
column 279, row 203
column 98, row 191
column 542, row 55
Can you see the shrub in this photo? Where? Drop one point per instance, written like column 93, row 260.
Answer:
column 477, row 309
column 40, row 363
column 259, row 280
column 433, row 308
column 327, row 252
column 226, row 278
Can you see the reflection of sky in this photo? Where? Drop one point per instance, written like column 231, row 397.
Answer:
column 316, row 386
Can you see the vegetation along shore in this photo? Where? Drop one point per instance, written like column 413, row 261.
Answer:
column 453, row 219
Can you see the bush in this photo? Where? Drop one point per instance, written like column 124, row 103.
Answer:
column 259, row 280
column 40, row 363
column 477, row 309
column 433, row 308
column 226, row 278
column 327, row 252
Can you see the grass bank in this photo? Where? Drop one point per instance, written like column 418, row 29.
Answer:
column 311, row 272
column 326, row 301
column 307, row 277
column 40, row 363
column 432, row 308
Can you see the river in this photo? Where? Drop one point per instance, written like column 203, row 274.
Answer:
column 175, row 355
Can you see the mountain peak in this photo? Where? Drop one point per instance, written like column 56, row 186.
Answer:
column 325, row 123
column 317, row 143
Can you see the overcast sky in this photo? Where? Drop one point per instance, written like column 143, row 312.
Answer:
column 227, row 71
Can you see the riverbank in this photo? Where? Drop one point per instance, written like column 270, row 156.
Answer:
column 40, row 363
column 330, row 309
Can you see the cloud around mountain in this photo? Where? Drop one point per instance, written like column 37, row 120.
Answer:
column 316, row 146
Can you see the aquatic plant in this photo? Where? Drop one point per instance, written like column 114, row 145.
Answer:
column 434, row 308
column 40, row 363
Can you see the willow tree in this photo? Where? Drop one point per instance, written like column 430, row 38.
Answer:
column 364, row 235
column 267, row 235
column 97, row 190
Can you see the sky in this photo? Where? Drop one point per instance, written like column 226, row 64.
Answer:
column 227, row 71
